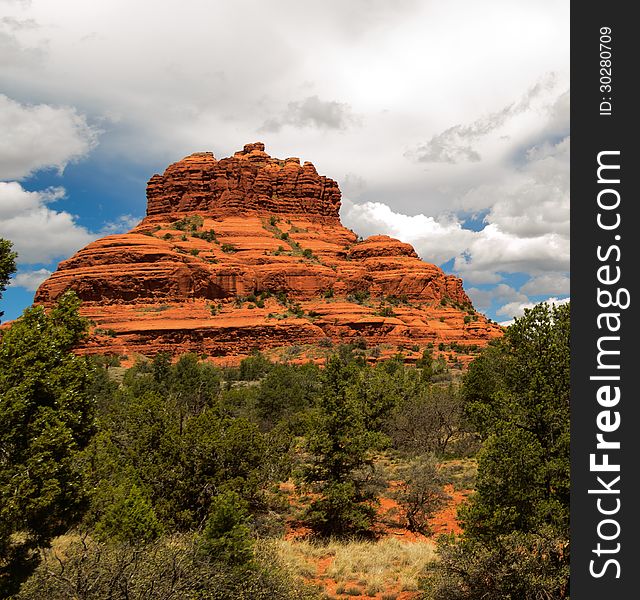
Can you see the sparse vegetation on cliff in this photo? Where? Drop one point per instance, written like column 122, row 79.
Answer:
column 215, row 233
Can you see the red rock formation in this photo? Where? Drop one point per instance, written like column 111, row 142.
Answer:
column 248, row 252
column 250, row 180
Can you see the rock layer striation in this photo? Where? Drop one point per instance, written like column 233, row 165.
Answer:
column 248, row 253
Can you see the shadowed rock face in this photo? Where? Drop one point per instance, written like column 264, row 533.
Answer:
column 248, row 252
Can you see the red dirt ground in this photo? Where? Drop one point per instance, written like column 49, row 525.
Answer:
column 444, row 521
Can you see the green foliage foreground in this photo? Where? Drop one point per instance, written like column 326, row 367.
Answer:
column 7, row 265
column 516, row 526
column 164, row 477
column 176, row 567
column 514, row 566
column 46, row 418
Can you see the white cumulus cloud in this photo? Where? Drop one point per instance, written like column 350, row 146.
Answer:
column 550, row 283
column 483, row 299
column 435, row 240
column 39, row 233
column 493, row 251
column 37, row 136
column 122, row 224
column 30, row 280
column 516, row 309
column 313, row 112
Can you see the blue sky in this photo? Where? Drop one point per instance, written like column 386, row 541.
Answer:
column 445, row 124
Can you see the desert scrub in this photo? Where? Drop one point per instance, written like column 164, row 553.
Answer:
column 359, row 296
column 190, row 223
column 154, row 308
column 385, row 311
column 107, row 332
column 174, row 566
column 461, row 473
column 382, row 566
column 420, row 493
column 207, row 236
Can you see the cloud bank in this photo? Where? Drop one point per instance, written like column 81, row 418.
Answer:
column 446, row 124
column 41, row 136
column 40, row 233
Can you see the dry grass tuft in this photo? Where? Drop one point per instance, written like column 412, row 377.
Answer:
column 369, row 568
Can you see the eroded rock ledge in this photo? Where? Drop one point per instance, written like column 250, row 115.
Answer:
column 248, row 252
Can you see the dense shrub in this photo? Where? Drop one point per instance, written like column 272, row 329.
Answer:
column 286, row 393
column 227, row 535
column 522, row 566
column 46, row 418
column 420, row 493
column 516, row 525
column 174, row 567
column 254, row 367
column 130, row 518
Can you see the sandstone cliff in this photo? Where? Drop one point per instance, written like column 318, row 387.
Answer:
column 248, row 252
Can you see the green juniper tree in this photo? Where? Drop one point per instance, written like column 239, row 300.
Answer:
column 227, row 536
column 341, row 445
column 7, row 265
column 46, row 417
column 523, row 479
column 130, row 518
column 516, row 526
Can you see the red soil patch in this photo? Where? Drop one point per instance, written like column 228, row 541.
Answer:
column 390, row 522
column 446, row 520
column 389, row 516
column 331, row 586
column 389, row 525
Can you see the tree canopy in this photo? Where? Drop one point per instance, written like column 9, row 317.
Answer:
column 7, row 265
column 523, row 411
column 516, row 525
column 46, row 418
